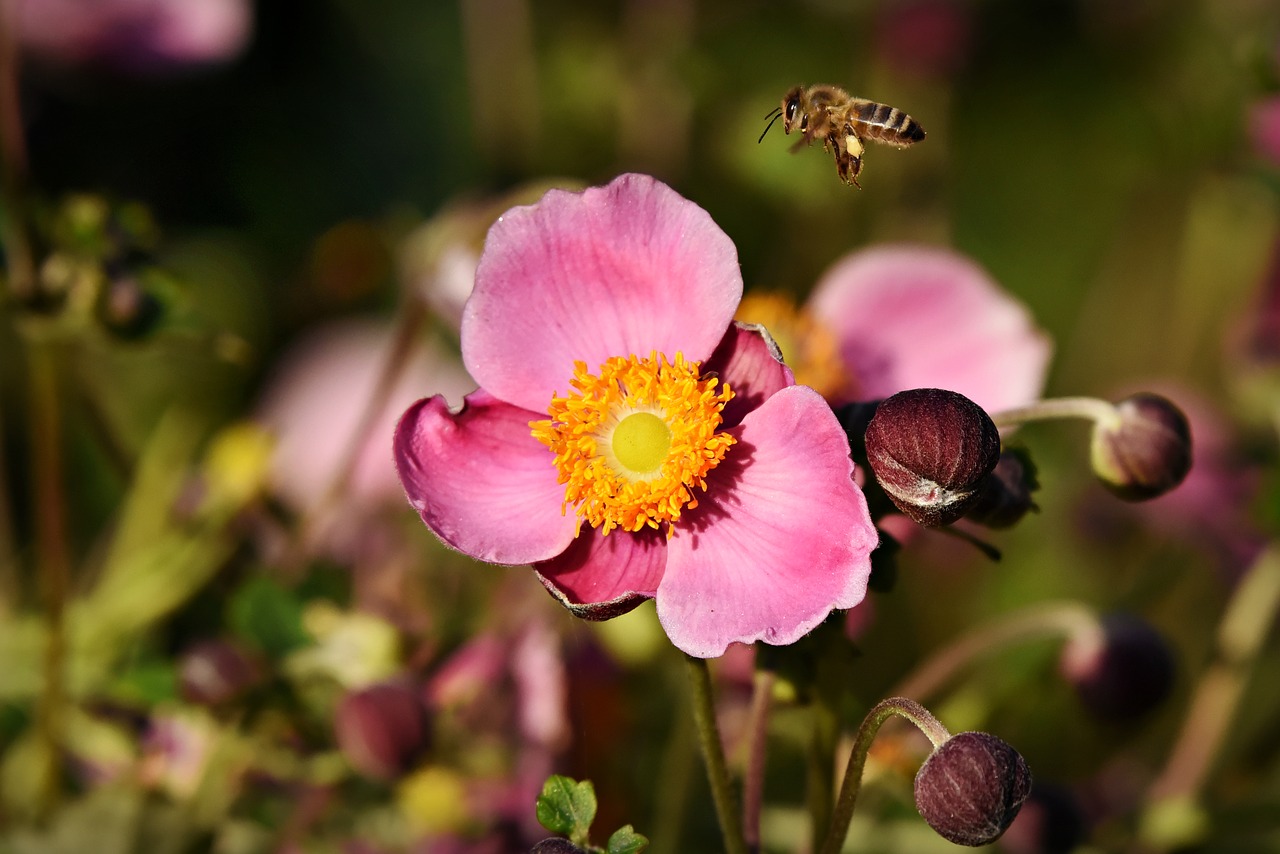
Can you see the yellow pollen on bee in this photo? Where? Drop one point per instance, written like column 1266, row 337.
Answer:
column 633, row 443
column 809, row 347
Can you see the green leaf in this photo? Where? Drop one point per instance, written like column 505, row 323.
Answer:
column 626, row 841
column 567, row 806
column 267, row 615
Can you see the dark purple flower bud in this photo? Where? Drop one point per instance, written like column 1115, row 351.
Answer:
column 1005, row 495
column 1122, row 672
column 1145, row 450
column 971, row 787
column 930, row 450
column 217, row 672
column 555, row 845
column 1051, row 822
column 128, row 308
column 382, row 730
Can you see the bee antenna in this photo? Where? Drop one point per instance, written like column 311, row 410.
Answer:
column 776, row 115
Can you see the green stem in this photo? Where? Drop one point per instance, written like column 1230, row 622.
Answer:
column 704, row 716
column 1088, row 408
column 1071, row 619
column 852, row 784
column 53, row 561
column 672, row 792
column 820, row 784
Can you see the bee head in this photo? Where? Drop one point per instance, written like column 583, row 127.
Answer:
column 791, row 108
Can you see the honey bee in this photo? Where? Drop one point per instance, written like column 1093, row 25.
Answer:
column 842, row 122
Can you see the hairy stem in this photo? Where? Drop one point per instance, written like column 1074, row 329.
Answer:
column 1088, row 408
column 852, row 784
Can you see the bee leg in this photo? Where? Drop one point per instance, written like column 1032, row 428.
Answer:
column 853, row 149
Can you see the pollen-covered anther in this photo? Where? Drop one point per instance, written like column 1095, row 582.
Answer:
column 634, row 443
column 810, row 348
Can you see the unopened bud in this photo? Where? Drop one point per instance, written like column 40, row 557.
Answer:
column 930, row 450
column 971, row 787
column 382, row 730
column 1006, row 494
column 1145, row 450
column 1121, row 672
column 128, row 307
column 217, row 672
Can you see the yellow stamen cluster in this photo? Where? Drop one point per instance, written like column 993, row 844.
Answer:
column 633, row 444
column 810, row 348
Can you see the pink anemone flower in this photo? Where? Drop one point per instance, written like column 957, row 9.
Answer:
column 909, row 316
column 628, row 439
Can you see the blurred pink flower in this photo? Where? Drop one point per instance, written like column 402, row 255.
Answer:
column 176, row 750
column 135, row 35
column 740, row 517
column 922, row 317
column 509, row 685
column 1264, row 128
column 317, row 395
column 1256, row 339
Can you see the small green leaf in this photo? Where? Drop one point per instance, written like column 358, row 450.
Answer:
column 626, row 841
column 568, row 807
column 268, row 616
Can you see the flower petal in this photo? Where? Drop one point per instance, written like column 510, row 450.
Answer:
column 748, row 362
column 624, row 269
column 782, row 537
column 481, row 481
column 600, row 576
column 922, row 317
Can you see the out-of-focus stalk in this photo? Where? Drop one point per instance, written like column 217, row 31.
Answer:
column 757, row 736
column 13, row 168
column 1173, row 799
column 53, row 562
column 704, row 716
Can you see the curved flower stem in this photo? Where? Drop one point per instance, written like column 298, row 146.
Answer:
column 1088, row 408
column 53, row 561
column 753, row 783
column 704, row 716
column 1046, row 620
column 852, row 784
column 1249, row 616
